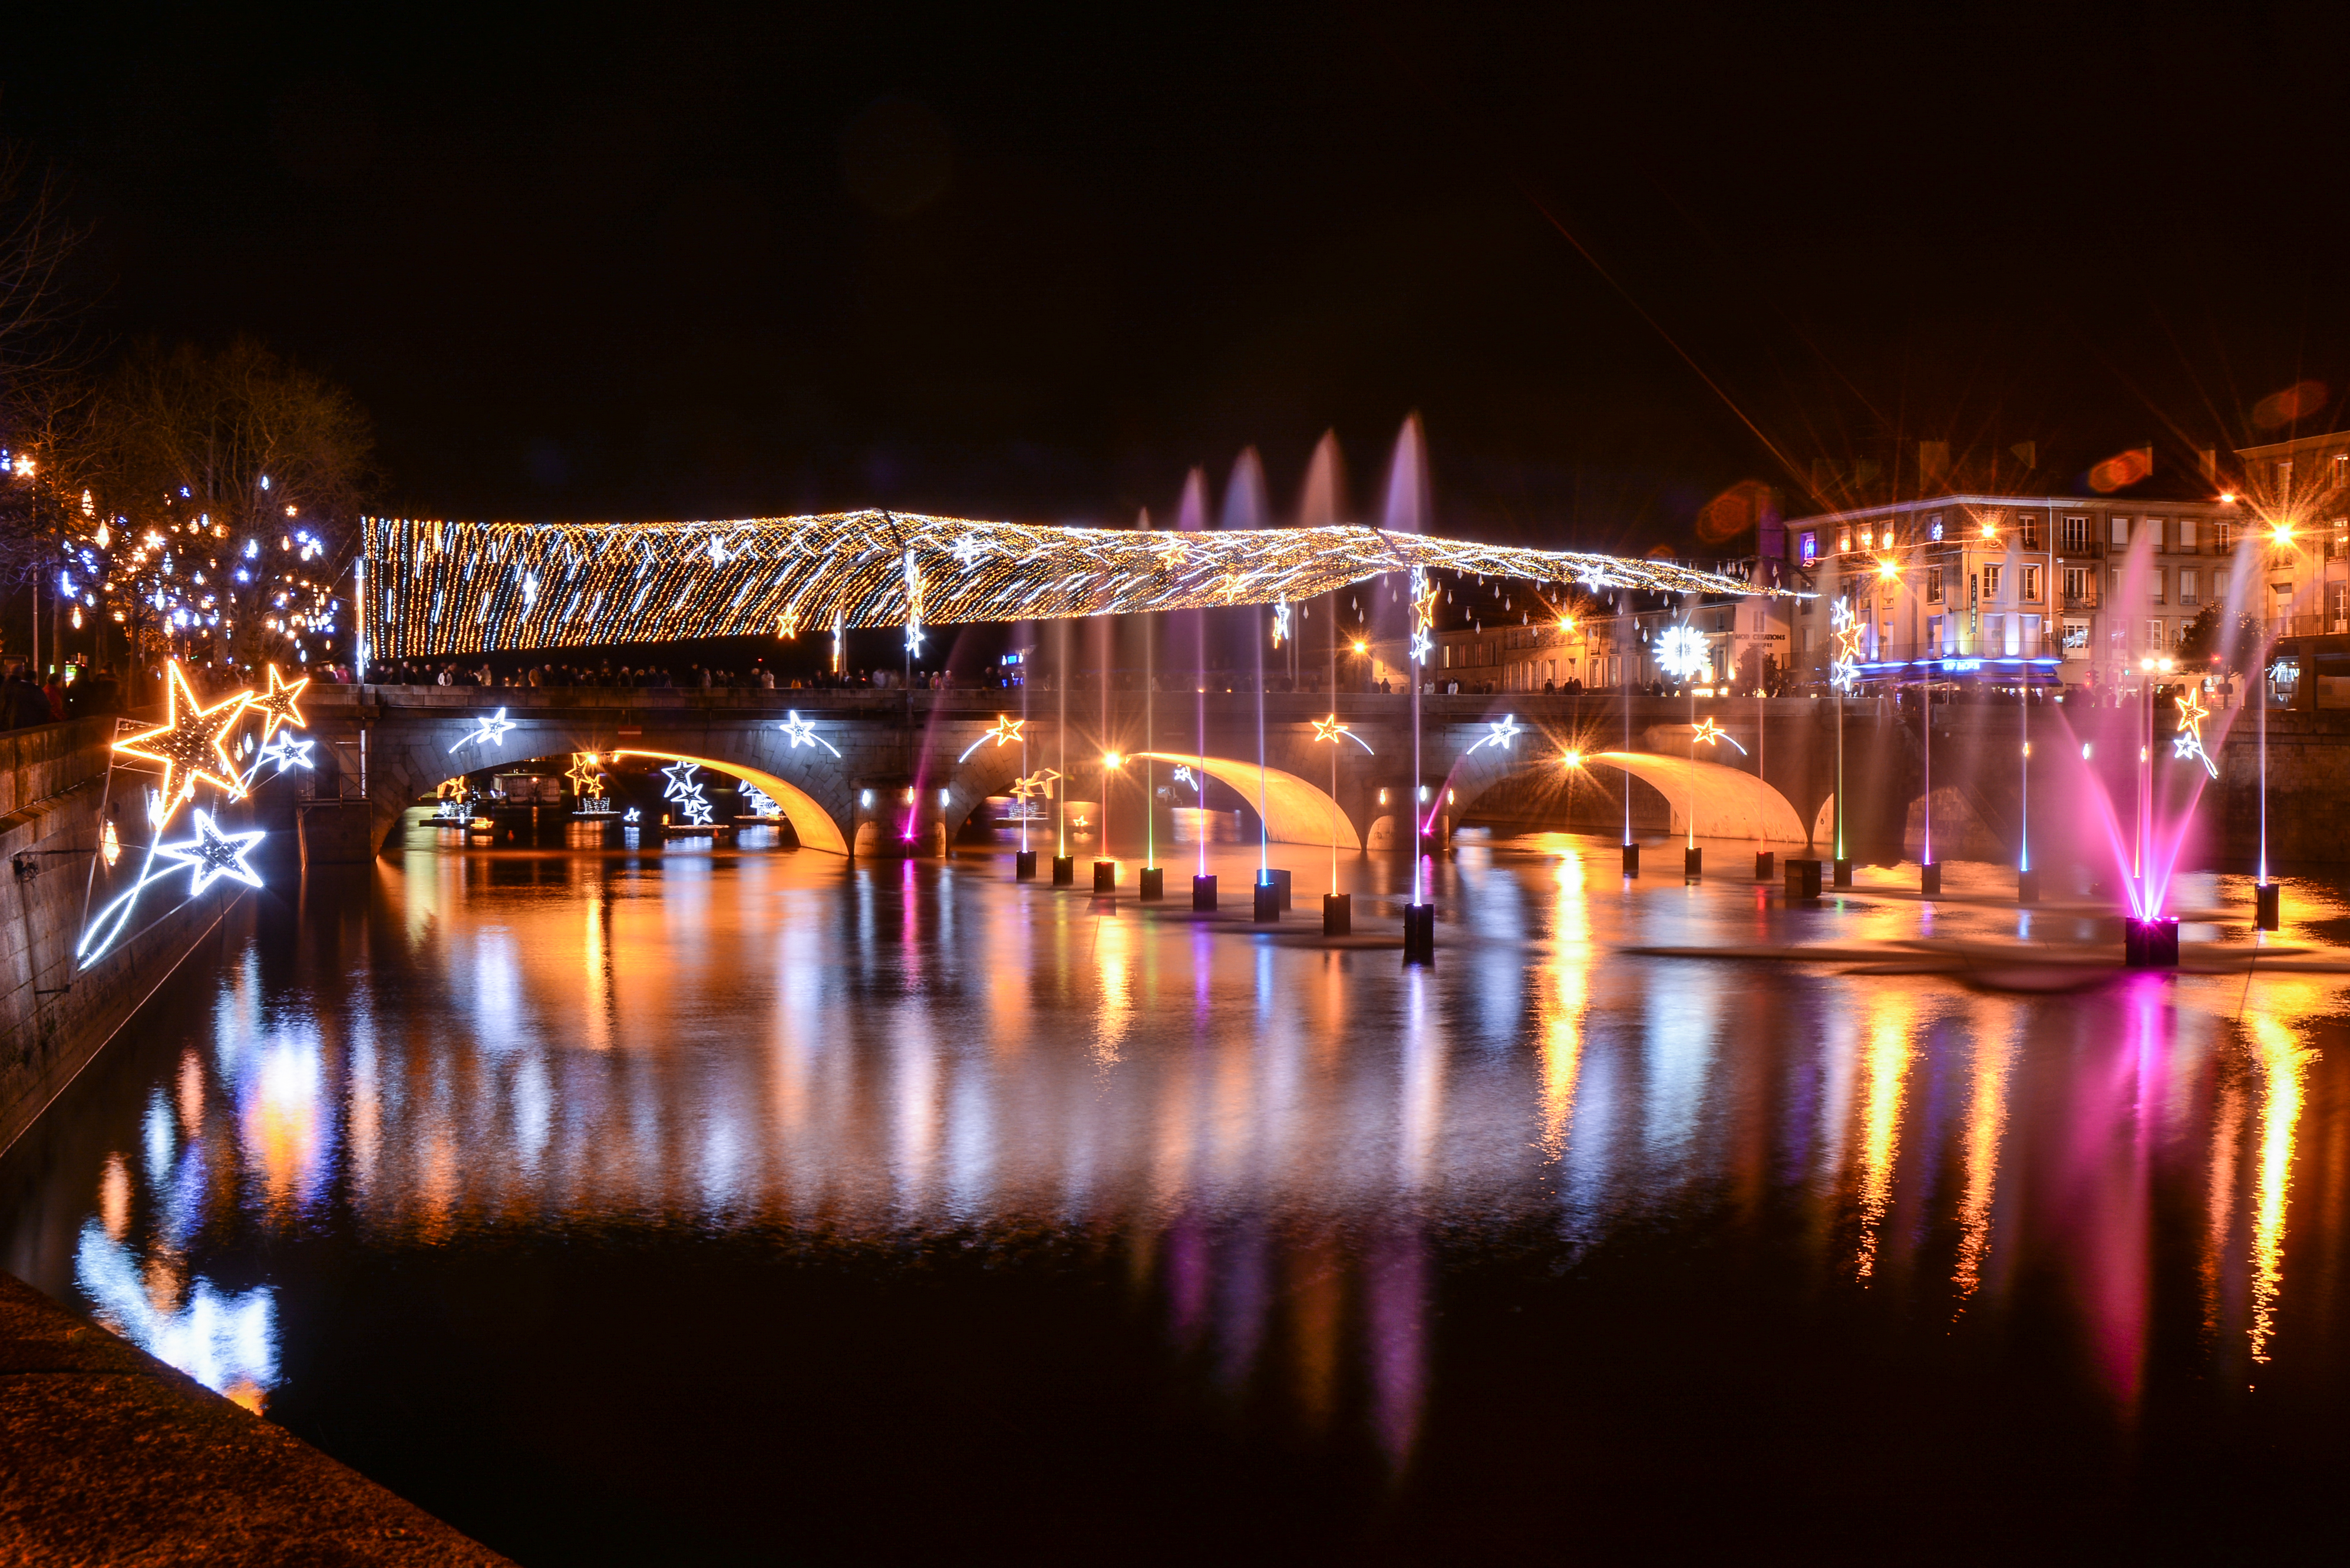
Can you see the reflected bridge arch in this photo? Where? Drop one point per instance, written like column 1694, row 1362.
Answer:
column 1295, row 810
column 1722, row 802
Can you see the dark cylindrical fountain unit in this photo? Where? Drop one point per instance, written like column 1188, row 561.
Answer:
column 1338, row 913
column 1203, row 895
column 1268, row 897
column 1420, row 933
column 1023, row 866
column 1766, row 865
column 1065, row 870
column 1929, row 878
column 2268, row 908
column 1843, row 873
column 1154, row 884
column 1692, row 865
column 1104, row 875
column 2027, row 886
column 1631, row 860
column 2151, row 944
column 1803, row 880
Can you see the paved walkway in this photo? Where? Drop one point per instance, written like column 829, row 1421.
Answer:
column 108, row 1456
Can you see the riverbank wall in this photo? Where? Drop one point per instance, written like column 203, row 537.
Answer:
column 55, row 804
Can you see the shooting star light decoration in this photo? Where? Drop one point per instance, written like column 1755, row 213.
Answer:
column 491, row 732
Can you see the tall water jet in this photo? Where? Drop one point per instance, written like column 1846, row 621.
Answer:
column 1105, row 863
column 1405, row 511
column 1322, row 504
column 1024, row 862
column 1190, row 517
column 1244, row 508
column 1065, row 872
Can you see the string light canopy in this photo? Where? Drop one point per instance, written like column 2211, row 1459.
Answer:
column 443, row 588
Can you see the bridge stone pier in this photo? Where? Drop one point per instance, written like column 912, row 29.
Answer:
column 877, row 771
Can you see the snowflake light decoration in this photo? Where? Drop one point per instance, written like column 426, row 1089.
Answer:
column 1682, row 653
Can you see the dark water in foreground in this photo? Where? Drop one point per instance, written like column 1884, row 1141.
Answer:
column 742, row 1206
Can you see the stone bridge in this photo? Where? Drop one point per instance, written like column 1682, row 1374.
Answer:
column 876, row 772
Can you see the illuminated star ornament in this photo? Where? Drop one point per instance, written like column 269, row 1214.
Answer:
column 1681, row 653
column 1423, row 616
column 214, row 853
column 286, row 752
column 1006, row 730
column 1844, row 670
column 587, row 778
column 276, row 706
column 493, row 732
column 2189, row 741
column 633, row 813
column 1501, row 734
column 1037, row 785
column 1712, row 734
column 1182, row 775
column 801, row 732
column 1330, row 730
column 191, row 744
column 1280, row 621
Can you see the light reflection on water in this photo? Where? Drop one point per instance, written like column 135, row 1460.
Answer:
column 1297, row 1153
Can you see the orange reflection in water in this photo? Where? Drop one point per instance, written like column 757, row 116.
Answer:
column 1885, row 1073
column 1986, row 1122
column 2283, row 1061
column 1565, row 990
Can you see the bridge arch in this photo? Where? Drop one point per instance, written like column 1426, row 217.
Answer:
column 1295, row 812
column 809, row 820
column 1727, row 802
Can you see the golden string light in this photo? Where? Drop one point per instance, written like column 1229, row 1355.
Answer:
column 471, row 587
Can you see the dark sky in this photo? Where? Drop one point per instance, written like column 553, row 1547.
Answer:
column 668, row 263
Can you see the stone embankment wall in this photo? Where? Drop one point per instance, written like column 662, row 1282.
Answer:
column 53, row 802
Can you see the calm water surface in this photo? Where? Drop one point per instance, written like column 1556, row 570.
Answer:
column 738, row 1206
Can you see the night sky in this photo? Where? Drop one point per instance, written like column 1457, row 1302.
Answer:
column 651, row 264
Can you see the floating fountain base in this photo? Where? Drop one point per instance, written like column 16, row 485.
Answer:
column 1631, row 860
column 1843, row 873
column 1692, row 865
column 1420, row 933
column 1065, row 870
column 1154, row 884
column 2151, row 944
column 2268, row 908
column 1104, row 875
column 1023, row 866
column 2027, row 886
column 1203, row 895
column 1268, row 901
column 1929, row 878
column 1766, row 865
column 1803, row 880
column 1338, row 913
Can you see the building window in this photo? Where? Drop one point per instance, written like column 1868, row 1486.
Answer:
column 1934, row 527
column 2225, row 539
column 2154, row 526
column 1845, row 544
column 2076, row 535
column 2077, row 637
column 2187, row 533
column 1934, row 583
column 1990, row 582
column 2337, row 603
column 2154, row 585
column 1808, row 549
column 2032, row 585
column 2121, row 531
column 2284, row 478
column 2077, row 584
column 2154, row 636
column 2030, row 525
column 2337, row 539
column 2187, row 585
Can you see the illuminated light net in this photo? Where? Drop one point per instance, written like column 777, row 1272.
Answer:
column 443, row 588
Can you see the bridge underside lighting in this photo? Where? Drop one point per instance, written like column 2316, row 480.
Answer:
column 444, row 587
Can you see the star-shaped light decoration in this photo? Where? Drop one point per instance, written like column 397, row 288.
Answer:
column 790, row 626
column 2190, row 741
column 802, row 733
column 493, row 732
column 1330, row 730
column 286, row 752
column 681, row 786
column 1172, row 551
column 632, row 814
column 695, row 805
column 587, row 778
column 1712, row 734
column 214, row 853
column 1844, row 670
column 1681, row 653
column 192, row 743
column 1280, row 621
column 968, row 549
column 1007, row 730
column 1423, row 616
column 1183, row 776
column 1501, row 734
column 276, row 705
column 1037, row 785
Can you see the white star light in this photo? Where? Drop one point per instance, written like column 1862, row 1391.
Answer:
column 1503, row 734
column 288, row 753
column 681, row 780
column 632, row 816
column 1681, row 653
column 1183, row 776
column 214, row 853
column 802, row 733
column 493, row 731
